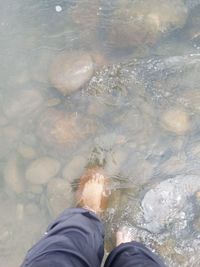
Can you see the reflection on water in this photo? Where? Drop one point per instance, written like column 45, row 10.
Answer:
column 113, row 84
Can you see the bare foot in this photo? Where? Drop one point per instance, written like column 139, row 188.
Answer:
column 92, row 192
column 123, row 236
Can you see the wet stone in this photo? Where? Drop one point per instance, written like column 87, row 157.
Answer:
column 60, row 129
column 41, row 170
column 166, row 204
column 176, row 121
column 70, row 71
column 59, row 195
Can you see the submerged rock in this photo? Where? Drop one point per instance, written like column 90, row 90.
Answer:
column 59, row 195
column 42, row 169
column 137, row 23
column 167, row 203
column 70, row 71
column 176, row 121
column 57, row 128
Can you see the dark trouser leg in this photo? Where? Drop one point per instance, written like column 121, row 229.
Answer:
column 133, row 254
column 75, row 239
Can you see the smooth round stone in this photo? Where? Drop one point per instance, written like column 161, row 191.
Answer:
column 57, row 128
column 13, row 177
column 59, row 195
column 41, row 170
column 75, row 168
column 176, row 121
column 26, row 151
column 22, row 103
column 70, row 71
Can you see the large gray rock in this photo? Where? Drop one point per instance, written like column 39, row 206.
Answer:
column 167, row 203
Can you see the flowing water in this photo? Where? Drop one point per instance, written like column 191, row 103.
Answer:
column 107, row 84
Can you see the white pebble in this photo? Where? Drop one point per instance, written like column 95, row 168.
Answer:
column 58, row 8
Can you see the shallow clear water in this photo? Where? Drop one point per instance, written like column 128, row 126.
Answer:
column 107, row 84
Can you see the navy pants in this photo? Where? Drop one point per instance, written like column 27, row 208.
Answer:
column 76, row 239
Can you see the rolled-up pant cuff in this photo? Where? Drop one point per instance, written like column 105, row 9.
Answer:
column 133, row 254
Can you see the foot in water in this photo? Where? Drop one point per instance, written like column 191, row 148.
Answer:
column 123, row 236
column 92, row 191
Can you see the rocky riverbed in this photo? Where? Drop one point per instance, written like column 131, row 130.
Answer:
column 110, row 84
